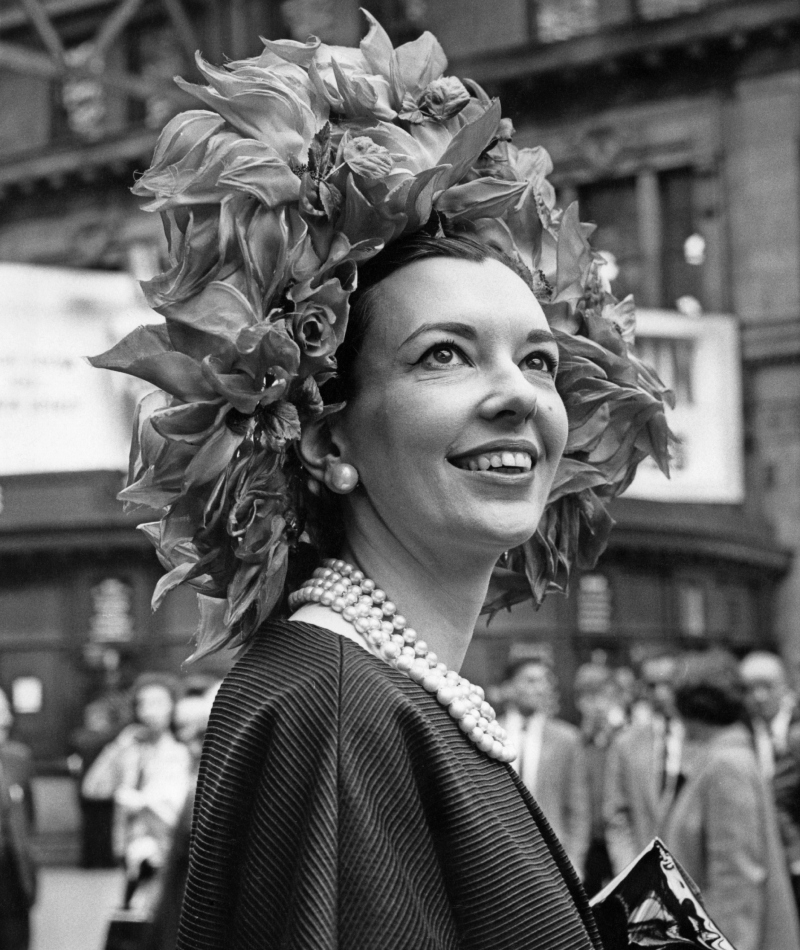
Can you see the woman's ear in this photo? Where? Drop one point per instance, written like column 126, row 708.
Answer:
column 317, row 449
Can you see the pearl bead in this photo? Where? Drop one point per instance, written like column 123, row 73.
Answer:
column 326, row 572
column 486, row 710
column 409, row 651
column 378, row 596
column 387, row 628
column 497, row 749
column 350, row 598
column 390, row 651
column 452, row 677
column 376, row 612
column 338, row 604
column 388, row 608
column 495, row 729
column 433, row 659
column 445, row 694
column 468, row 723
column 421, row 647
column 431, row 681
column 476, row 735
column 349, row 614
column 486, row 743
column 356, row 577
column 483, row 723
column 441, row 668
column 327, row 599
column 367, row 585
column 404, row 663
column 361, row 624
column 399, row 621
column 458, row 708
column 409, row 635
column 416, row 673
column 356, row 591
column 375, row 637
column 339, row 589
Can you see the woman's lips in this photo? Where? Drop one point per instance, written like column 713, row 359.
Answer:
column 503, row 462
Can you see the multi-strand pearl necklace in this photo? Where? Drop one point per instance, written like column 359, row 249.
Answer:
column 342, row 588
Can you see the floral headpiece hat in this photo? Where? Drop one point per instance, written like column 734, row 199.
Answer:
column 307, row 161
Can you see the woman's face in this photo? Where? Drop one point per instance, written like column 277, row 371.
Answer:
column 456, row 428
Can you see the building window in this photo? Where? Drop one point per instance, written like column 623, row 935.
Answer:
column 647, row 222
column 594, row 604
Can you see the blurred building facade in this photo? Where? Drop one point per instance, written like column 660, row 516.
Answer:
column 676, row 126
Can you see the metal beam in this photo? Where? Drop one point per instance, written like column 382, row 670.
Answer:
column 20, row 59
column 44, row 27
column 114, row 24
column 68, row 161
column 183, row 27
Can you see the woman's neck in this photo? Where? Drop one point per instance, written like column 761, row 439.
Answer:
column 439, row 595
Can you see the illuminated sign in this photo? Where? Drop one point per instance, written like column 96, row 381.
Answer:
column 698, row 358
column 57, row 414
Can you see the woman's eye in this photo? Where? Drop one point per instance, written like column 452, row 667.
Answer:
column 442, row 355
column 541, row 363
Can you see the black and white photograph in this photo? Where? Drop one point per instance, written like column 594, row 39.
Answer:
column 399, row 474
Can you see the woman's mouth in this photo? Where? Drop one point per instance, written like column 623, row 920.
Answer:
column 504, row 463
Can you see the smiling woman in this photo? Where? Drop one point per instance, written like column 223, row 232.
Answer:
column 380, row 417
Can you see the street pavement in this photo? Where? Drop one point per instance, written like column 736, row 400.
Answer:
column 73, row 908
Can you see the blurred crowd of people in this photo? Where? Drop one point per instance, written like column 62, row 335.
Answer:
column 701, row 750
column 135, row 759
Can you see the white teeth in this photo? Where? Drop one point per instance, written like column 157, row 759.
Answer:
column 482, row 463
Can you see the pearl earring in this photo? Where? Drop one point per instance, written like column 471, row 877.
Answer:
column 341, row 477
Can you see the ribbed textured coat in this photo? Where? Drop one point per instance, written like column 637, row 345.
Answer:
column 339, row 806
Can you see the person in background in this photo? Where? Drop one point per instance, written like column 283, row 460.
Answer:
column 722, row 827
column 148, row 773
column 643, row 768
column 775, row 721
column 599, row 700
column 101, row 724
column 550, row 758
column 17, row 869
column 192, row 712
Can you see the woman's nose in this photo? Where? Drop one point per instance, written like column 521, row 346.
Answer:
column 510, row 395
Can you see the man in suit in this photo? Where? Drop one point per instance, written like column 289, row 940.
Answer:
column 775, row 722
column 17, row 871
column 643, row 769
column 550, row 759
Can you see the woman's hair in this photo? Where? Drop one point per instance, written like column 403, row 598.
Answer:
column 709, row 689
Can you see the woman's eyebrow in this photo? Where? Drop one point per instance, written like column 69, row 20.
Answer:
column 461, row 329
column 541, row 336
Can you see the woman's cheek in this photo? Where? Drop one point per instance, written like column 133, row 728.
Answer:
column 553, row 424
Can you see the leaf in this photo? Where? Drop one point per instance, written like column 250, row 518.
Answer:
column 573, row 256
column 481, row 198
column 302, row 54
column 191, row 423
column 419, row 63
column 468, row 143
column 168, row 582
column 212, row 634
column 266, row 177
column 212, row 457
column 376, row 46
column 147, row 354
column 220, row 310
